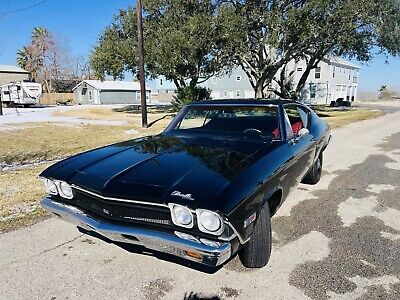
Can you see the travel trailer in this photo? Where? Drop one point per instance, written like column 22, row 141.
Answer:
column 21, row 93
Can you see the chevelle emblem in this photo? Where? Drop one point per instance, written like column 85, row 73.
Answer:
column 183, row 196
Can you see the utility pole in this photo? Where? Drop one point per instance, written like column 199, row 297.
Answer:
column 1, row 105
column 141, row 62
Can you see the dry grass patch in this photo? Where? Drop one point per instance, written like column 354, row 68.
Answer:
column 127, row 113
column 47, row 141
column 20, row 193
column 342, row 117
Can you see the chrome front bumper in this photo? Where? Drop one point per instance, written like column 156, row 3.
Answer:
column 154, row 240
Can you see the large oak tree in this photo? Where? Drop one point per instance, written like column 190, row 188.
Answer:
column 268, row 34
column 182, row 42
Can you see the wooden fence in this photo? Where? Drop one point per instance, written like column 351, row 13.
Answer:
column 54, row 98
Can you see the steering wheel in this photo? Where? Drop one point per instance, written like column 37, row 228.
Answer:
column 254, row 130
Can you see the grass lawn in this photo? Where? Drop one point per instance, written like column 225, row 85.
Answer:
column 21, row 190
column 36, row 142
column 127, row 113
column 339, row 117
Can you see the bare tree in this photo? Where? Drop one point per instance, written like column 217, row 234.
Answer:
column 48, row 58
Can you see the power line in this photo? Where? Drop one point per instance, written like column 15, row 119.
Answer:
column 5, row 14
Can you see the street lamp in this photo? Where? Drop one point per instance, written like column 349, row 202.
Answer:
column 141, row 62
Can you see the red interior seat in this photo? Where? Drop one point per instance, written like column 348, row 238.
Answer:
column 296, row 127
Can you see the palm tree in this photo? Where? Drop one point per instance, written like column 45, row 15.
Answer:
column 32, row 58
column 41, row 40
column 26, row 60
column 23, row 57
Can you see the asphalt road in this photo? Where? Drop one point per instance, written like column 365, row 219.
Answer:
column 339, row 239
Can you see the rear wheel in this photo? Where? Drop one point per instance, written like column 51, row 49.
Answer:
column 314, row 175
column 257, row 251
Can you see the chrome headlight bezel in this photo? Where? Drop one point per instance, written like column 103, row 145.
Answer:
column 173, row 207
column 203, row 213
column 58, row 188
column 48, row 184
column 65, row 190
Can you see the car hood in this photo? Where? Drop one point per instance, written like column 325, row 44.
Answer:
column 160, row 169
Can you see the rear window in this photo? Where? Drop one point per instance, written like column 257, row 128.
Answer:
column 259, row 121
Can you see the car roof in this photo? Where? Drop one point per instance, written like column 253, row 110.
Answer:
column 244, row 102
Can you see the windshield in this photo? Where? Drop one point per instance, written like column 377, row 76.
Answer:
column 249, row 121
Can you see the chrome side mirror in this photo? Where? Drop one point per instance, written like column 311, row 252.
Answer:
column 302, row 132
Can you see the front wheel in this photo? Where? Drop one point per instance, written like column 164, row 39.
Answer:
column 314, row 175
column 257, row 251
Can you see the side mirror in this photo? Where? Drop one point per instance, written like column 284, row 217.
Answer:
column 303, row 132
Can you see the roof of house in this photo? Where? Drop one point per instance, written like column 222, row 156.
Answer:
column 343, row 62
column 12, row 69
column 109, row 85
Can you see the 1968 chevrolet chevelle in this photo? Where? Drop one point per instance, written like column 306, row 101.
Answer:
column 204, row 189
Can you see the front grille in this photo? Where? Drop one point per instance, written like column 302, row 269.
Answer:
column 130, row 212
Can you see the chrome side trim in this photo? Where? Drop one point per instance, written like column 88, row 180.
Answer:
column 117, row 199
column 160, row 241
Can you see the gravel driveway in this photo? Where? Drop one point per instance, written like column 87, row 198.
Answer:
column 339, row 239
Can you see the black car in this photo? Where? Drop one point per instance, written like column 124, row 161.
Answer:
column 204, row 189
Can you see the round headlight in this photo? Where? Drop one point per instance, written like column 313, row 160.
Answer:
column 51, row 187
column 209, row 222
column 181, row 215
column 66, row 190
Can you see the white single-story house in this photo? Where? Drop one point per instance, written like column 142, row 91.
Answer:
column 109, row 92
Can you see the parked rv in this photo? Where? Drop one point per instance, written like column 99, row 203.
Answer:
column 21, row 93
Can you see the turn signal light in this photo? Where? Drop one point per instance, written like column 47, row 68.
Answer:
column 193, row 255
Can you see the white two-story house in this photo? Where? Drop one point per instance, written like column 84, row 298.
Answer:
column 334, row 78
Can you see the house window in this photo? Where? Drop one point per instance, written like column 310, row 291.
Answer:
column 161, row 82
column 214, row 80
column 299, row 69
column 90, row 96
column 334, row 70
column 238, row 78
column 226, row 94
column 313, row 91
column 317, row 72
column 138, row 95
column 237, row 93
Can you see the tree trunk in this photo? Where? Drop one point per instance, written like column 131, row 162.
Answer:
column 303, row 80
column 259, row 91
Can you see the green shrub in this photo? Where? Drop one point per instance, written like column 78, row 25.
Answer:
column 189, row 94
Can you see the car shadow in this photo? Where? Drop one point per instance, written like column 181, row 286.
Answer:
column 193, row 296
column 138, row 249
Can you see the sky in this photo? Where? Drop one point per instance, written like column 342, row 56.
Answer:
column 82, row 22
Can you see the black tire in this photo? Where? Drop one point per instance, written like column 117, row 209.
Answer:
column 314, row 175
column 257, row 251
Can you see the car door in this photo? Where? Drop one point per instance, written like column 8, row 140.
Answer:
column 302, row 147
